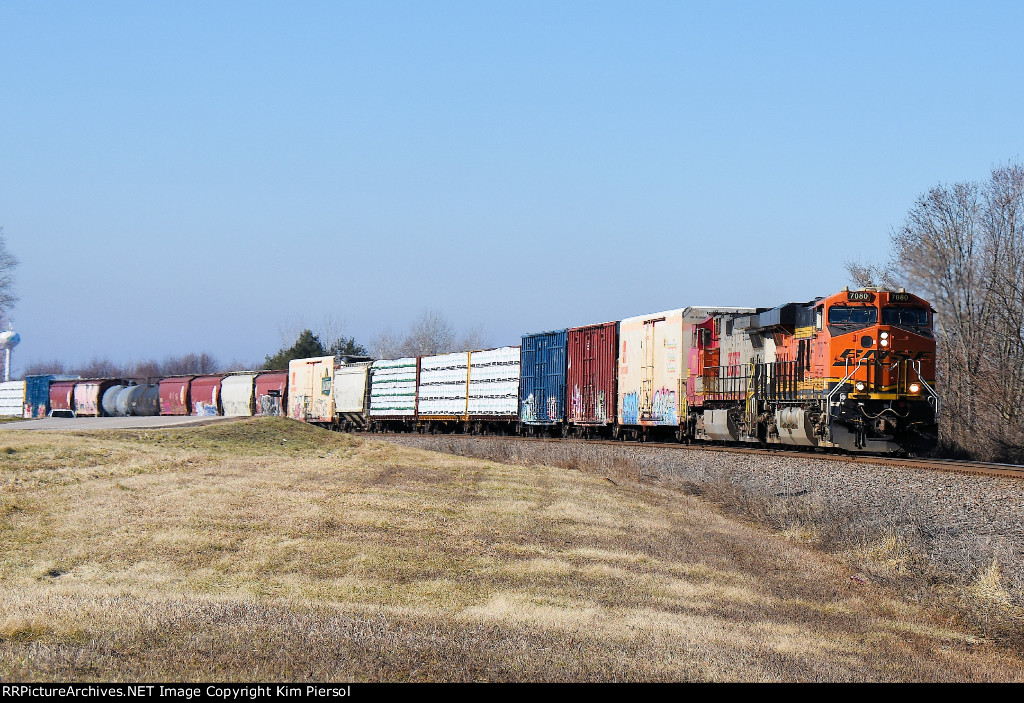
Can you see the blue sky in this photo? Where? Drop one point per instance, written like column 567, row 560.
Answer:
column 193, row 176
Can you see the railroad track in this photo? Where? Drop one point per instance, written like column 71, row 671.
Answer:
column 978, row 468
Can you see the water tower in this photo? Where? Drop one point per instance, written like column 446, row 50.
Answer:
column 8, row 341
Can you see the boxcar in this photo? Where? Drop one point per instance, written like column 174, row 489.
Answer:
column 654, row 352
column 37, row 395
column 542, row 364
column 271, row 391
column 62, row 398
column 309, row 389
column 89, row 396
column 591, row 379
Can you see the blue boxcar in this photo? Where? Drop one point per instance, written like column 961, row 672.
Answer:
column 37, row 395
column 542, row 378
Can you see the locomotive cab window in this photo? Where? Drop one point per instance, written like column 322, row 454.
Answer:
column 905, row 317
column 846, row 315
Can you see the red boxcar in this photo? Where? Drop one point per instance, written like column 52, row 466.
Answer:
column 174, row 395
column 89, row 396
column 205, row 392
column 272, row 393
column 591, row 381
column 62, row 397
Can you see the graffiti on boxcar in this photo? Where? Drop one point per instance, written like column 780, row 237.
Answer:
column 663, row 409
column 270, row 405
column 529, row 413
column 553, row 413
column 631, row 409
column 202, row 408
column 577, row 403
column 86, row 407
column 601, row 412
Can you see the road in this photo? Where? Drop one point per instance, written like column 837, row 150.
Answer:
column 109, row 423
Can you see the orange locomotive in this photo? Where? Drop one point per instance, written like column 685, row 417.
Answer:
column 854, row 370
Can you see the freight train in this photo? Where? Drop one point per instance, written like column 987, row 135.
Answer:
column 852, row 371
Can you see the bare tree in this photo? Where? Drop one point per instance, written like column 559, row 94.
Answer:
column 148, row 369
column 386, row 345
column 100, row 368
column 962, row 247
column 8, row 262
column 188, row 364
column 430, row 333
column 240, row 365
column 41, row 368
column 872, row 275
column 473, row 338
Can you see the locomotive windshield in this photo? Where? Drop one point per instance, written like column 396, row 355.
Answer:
column 844, row 315
column 905, row 317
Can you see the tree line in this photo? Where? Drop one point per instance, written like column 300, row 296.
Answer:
column 429, row 333
column 101, row 367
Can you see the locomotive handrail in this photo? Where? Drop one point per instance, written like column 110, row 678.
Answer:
column 916, row 365
column 828, row 398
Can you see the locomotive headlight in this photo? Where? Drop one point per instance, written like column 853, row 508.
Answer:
column 860, row 386
column 915, row 387
column 883, row 335
column 883, row 341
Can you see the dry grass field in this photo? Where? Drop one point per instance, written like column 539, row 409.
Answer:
column 267, row 549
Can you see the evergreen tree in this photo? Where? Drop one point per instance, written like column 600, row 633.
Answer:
column 347, row 346
column 307, row 345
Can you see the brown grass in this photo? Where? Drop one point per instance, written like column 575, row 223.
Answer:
column 266, row 549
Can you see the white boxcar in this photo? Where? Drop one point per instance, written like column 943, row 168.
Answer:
column 655, row 353
column 393, row 389
column 443, row 387
column 309, row 389
column 494, row 383
column 238, row 395
column 351, row 399
column 12, row 398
